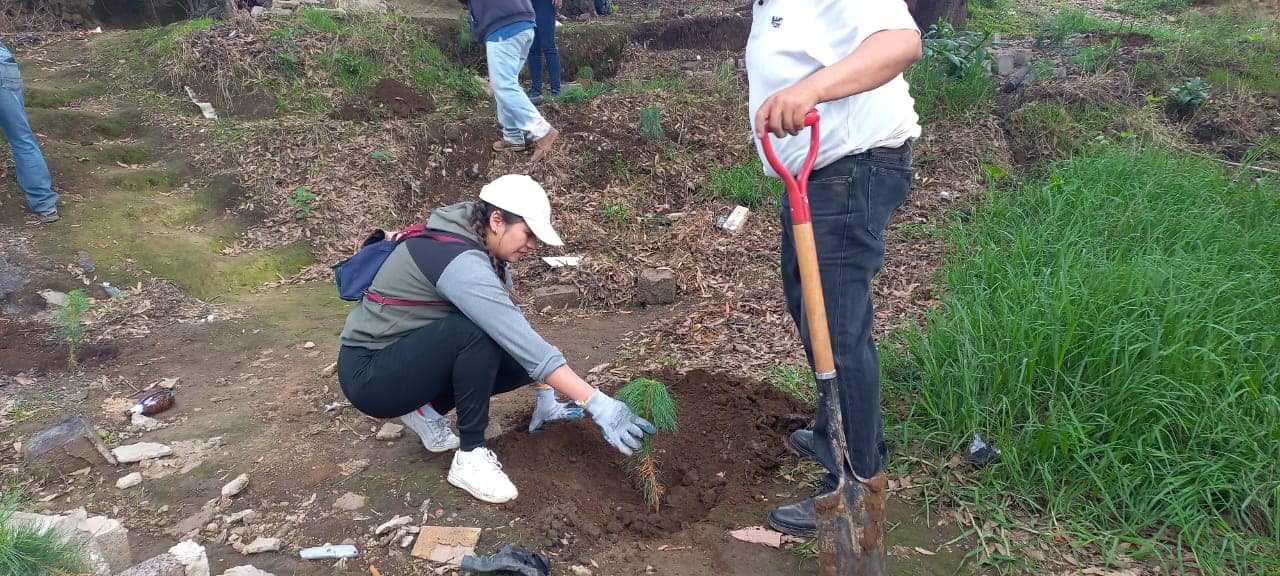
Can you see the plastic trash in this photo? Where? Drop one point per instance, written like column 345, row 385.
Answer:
column 981, row 453
column 329, row 551
column 512, row 559
column 154, row 403
column 112, row 291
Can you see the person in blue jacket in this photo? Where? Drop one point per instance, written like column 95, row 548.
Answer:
column 544, row 47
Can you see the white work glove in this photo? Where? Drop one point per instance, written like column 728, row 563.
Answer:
column 621, row 427
column 548, row 410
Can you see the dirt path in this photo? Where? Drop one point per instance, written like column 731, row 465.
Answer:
column 252, row 397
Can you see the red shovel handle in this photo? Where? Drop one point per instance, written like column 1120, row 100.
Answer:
column 797, row 188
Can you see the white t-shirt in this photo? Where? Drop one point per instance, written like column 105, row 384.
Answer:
column 791, row 39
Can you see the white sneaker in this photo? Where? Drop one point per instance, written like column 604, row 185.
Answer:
column 436, row 435
column 480, row 474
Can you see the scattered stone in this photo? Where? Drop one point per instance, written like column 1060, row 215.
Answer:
column 329, row 370
column 187, row 456
column 168, row 383
column 309, row 345
column 406, row 540
column 944, row 195
column 349, row 502
column 129, row 481
column 194, row 522
column 390, row 431
column 85, row 263
column 260, row 545
column 656, row 286
column 193, row 558
column 54, row 298
column 66, row 446
column 258, row 12
column 236, row 486
column 141, row 451
column 144, row 422
column 353, row 466
column 329, row 551
column 163, row 565
column 1005, row 61
column 579, row 570
column 557, row 296
column 249, row 570
column 246, row 516
column 392, row 524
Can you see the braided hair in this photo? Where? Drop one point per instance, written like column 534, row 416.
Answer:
column 481, row 212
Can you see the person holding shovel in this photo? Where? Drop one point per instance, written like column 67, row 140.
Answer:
column 845, row 58
column 437, row 330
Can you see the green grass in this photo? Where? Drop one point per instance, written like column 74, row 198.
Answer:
column 1237, row 48
column 743, row 184
column 164, row 40
column 1054, row 30
column 795, row 380
column 1114, row 330
column 25, row 551
column 942, row 87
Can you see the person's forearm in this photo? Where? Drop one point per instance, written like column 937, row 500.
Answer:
column 879, row 58
column 567, row 382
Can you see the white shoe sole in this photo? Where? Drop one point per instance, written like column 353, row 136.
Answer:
column 476, row 494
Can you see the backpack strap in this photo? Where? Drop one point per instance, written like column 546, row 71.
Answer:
column 389, row 301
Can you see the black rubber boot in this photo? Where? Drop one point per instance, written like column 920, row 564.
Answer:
column 797, row 519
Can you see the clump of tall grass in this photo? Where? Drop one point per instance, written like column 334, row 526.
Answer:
column 25, row 550
column 1116, row 329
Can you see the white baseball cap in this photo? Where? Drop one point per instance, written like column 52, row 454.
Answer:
column 522, row 196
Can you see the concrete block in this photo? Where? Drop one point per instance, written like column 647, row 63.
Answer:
column 249, row 570
column 108, row 546
column 558, row 296
column 66, row 447
column 656, row 286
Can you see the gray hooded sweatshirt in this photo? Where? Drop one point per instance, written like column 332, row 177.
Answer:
column 457, row 275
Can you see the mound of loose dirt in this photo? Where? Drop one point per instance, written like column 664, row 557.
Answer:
column 392, row 96
column 728, row 447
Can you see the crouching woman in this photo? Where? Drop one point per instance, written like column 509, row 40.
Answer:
column 437, row 331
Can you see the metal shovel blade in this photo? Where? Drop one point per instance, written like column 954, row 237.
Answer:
column 851, row 518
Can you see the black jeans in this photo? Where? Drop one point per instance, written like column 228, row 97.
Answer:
column 851, row 201
column 450, row 363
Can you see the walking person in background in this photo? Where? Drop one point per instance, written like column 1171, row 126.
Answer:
column 544, row 46
column 603, row 8
column 33, row 173
column 507, row 29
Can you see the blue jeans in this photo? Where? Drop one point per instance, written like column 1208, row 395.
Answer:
column 33, row 173
column 517, row 115
column 851, row 201
column 544, row 45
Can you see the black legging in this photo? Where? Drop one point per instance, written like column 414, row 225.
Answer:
column 450, row 363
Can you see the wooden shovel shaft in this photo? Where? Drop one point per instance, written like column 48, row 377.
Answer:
column 815, row 306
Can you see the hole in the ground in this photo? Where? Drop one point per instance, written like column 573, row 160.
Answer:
column 726, row 453
column 710, row 33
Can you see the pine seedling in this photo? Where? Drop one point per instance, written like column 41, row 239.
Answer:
column 649, row 399
column 651, row 124
column 71, row 317
column 25, row 549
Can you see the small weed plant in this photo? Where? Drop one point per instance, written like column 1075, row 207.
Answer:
column 617, row 213
column 1186, row 98
column 650, row 400
column 651, row 124
column 301, row 202
column 954, row 76
column 743, row 184
column 383, row 155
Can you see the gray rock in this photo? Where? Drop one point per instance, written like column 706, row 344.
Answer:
column 193, row 557
column 54, row 298
column 85, row 263
column 260, row 545
column 1007, row 60
column 66, row 447
column 249, row 570
column 655, row 286
column 236, row 486
column 193, row 522
column 163, row 565
column 558, row 296
column 140, row 451
column 11, row 281
column 129, row 481
column 258, row 12
column 579, row 570
column 390, row 431
column 349, row 502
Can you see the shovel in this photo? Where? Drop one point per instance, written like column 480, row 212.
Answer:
column 850, row 519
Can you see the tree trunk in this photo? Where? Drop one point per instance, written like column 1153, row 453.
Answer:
column 928, row 12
